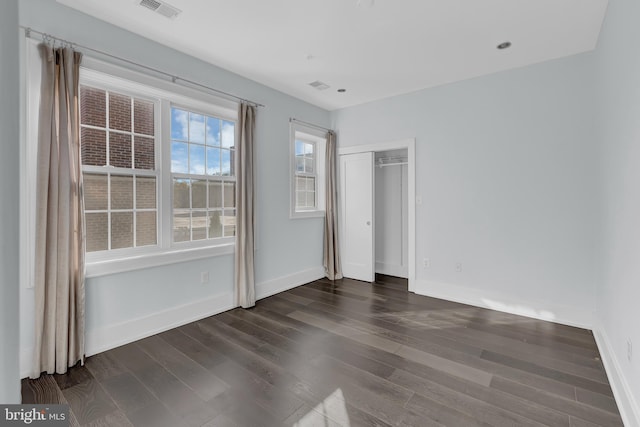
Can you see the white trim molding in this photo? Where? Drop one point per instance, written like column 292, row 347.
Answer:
column 284, row 283
column 155, row 259
column 627, row 404
column 508, row 303
column 314, row 136
column 103, row 339
column 115, row 335
column 410, row 145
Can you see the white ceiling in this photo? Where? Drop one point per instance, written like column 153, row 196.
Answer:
column 392, row 47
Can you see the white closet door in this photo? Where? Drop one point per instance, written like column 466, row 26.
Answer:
column 357, row 201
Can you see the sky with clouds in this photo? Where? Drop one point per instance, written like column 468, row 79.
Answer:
column 200, row 143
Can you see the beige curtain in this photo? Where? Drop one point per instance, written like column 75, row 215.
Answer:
column 332, row 266
column 59, row 256
column 245, row 288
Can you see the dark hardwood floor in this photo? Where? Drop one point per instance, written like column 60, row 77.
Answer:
column 344, row 354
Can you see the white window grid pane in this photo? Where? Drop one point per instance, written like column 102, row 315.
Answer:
column 110, row 171
column 208, row 179
column 134, row 210
column 216, row 174
column 108, row 130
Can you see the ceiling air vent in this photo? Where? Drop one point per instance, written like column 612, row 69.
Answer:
column 319, row 85
column 163, row 8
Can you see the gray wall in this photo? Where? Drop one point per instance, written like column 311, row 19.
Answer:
column 505, row 167
column 619, row 125
column 114, row 300
column 9, row 185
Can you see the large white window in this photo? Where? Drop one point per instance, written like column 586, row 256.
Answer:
column 118, row 143
column 308, row 147
column 202, row 176
column 158, row 170
column 157, row 166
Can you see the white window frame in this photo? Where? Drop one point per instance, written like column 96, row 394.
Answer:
column 90, row 80
column 207, row 111
column 314, row 136
column 108, row 76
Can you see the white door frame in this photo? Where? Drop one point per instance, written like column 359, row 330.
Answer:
column 410, row 145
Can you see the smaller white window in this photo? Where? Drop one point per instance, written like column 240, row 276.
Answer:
column 308, row 148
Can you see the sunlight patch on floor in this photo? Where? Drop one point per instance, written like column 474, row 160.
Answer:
column 332, row 411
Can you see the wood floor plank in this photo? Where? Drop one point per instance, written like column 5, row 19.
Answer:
column 574, row 380
column 42, row 390
column 474, row 407
column 75, row 375
column 531, row 410
column 128, row 392
column 104, row 365
column 114, row 419
column 244, row 366
column 441, row 413
column 307, row 416
column 388, row 390
column 534, row 411
column 457, row 363
column 597, row 400
column 568, row 391
column 89, row 402
column 205, row 356
column 196, row 377
column 344, row 353
column 570, row 407
column 188, row 407
column 156, row 415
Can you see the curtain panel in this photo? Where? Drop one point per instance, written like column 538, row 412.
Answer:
column 59, row 251
column 245, row 289
column 332, row 266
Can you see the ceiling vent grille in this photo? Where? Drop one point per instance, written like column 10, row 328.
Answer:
column 163, row 8
column 319, row 85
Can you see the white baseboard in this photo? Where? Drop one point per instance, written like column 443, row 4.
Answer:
column 392, row 269
column 627, row 404
column 133, row 330
column 112, row 336
column 281, row 284
column 508, row 303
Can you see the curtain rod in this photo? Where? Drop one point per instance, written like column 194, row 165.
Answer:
column 175, row 79
column 291, row 119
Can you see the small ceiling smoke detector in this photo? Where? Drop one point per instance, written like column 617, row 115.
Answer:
column 319, row 85
column 504, row 45
column 161, row 7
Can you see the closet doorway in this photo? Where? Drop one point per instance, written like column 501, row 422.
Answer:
column 391, row 213
column 389, row 242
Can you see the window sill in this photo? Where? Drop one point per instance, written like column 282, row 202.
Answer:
column 306, row 214
column 155, row 259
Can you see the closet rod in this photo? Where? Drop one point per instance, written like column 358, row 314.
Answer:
column 175, row 79
column 381, row 165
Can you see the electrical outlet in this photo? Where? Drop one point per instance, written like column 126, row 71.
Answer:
column 204, row 277
column 629, row 349
column 458, row 267
column 426, row 263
